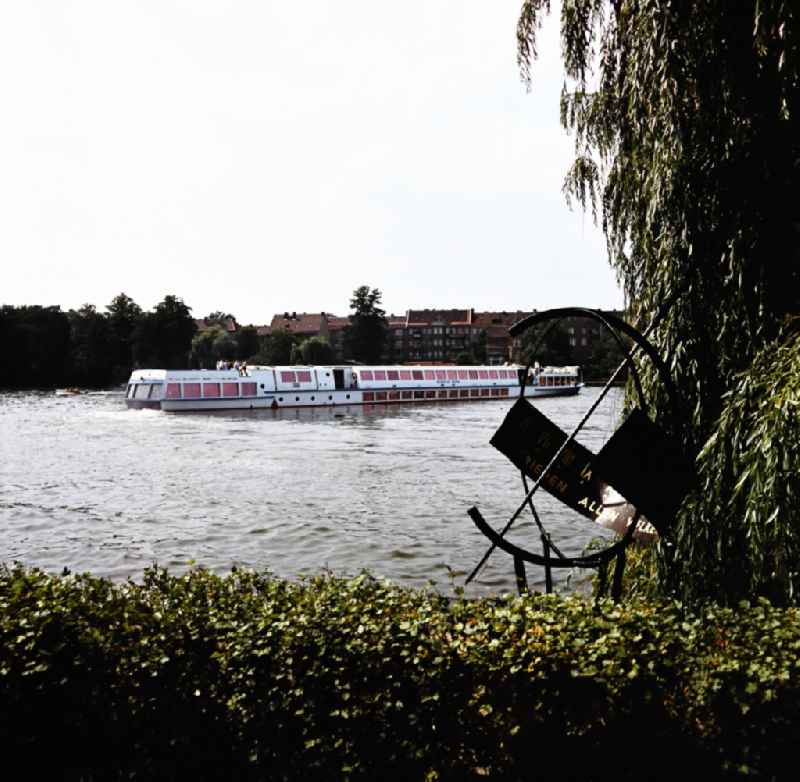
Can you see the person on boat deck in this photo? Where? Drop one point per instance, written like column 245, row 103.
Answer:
column 237, row 365
column 243, row 369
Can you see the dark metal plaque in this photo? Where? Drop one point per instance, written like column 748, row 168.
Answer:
column 648, row 468
column 530, row 440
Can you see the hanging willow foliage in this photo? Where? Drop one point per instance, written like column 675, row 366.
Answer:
column 685, row 118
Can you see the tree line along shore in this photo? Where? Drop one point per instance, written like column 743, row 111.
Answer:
column 46, row 347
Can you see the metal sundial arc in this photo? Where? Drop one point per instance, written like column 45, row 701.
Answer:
column 613, row 325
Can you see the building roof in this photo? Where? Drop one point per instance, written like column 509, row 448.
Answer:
column 448, row 317
column 503, row 319
column 336, row 323
column 300, row 322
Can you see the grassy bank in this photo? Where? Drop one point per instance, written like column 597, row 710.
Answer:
column 246, row 676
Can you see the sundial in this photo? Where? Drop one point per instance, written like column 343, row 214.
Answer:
column 634, row 484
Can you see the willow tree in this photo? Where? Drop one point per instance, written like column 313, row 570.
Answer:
column 685, row 119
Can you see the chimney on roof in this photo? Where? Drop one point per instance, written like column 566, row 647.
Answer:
column 294, row 316
column 286, row 316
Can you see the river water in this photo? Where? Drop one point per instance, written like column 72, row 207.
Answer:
column 89, row 485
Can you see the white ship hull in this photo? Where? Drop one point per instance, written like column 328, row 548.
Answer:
column 279, row 387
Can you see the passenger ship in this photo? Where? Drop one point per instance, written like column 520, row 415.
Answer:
column 317, row 386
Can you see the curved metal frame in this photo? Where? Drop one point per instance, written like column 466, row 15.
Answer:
column 600, row 559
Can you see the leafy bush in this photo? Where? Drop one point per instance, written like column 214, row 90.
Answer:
column 739, row 535
column 250, row 677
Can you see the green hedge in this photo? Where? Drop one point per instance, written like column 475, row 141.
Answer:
column 250, row 677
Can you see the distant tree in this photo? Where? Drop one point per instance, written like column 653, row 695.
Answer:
column 247, row 342
column 211, row 345
column 365, row 337
column 91, row 348
column 218, row 317
column 296, row 356
column 123, row 316
column 316, row 351
column 466, row 358
column 163, row 338
column 36, row 347
column 479, row 348
column 603, row 357
column 276, row 348
column 555, row 350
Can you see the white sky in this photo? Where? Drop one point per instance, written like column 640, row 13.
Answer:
column 255, row 156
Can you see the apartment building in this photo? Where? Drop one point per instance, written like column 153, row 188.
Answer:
column 438, row 335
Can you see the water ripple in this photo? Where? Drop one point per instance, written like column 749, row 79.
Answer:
column 89, row 485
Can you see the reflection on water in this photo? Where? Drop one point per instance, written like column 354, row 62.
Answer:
column 89, row 485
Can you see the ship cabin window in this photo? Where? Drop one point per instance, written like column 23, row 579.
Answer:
column 417, row 374
column 248, row 389
column 210, row 389
column 304, row 376
column 430, row 374
column 173, row 391
column 441, row 374
column 191, row 390
column 380, row 374
column 288, row 377
column 419, row 395
column 230, row 389
column 392, row 374
column 493, row 374
column 129, row 392
column 483, row 374
column 473, row 374
column 366, row 374
column 463, row 374
column 452, row 374
column 405, row 374
column 408, row 394
column 141, row 391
